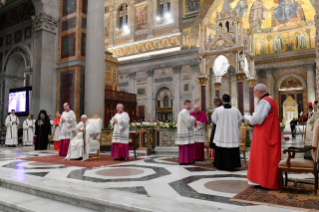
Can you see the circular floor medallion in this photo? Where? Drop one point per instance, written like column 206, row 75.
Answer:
column 227, row 186
column 119, row 172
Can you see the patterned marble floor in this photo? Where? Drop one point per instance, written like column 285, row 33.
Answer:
column 151, row 184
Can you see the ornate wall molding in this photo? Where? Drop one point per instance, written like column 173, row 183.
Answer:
column 269, row 72
column 150, row 73
column 177, row 69
column 281, row 79
column 45, row 22
column 18, row 50
column 285, row 59
column 310, row 66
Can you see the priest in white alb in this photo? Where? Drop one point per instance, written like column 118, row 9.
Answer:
column 185, row 134
column 227, row 119
column 79, row 147
column 120, row 142
column 28, row 131
column 12, row 123
column 67, row 124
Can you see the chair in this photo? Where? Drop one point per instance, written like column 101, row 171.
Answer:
column 51, row 136
column 242, row 131
column 300, row 165
column 208, row 134
column 95, row 143
column 132, row 144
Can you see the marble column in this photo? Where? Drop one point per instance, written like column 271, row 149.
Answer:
column 44, row 62
column 311, row 82
column 217, row 87
column 317, row 48
column 177, row 105
column 132, row 82
column 233, row 88
column 203, row 82
column 270, row 81
column 251, row 84
column 149, row 94
column 94, row 63
column 240, row 79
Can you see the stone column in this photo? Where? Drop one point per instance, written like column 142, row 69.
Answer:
column 317, row 48
column 217, row 86
column 44, row 61
column 149, row 94
column 132, row 82
column 94, row 63
column 151, row 18
column 270, row 81
column 251, row 84
column 177, row 105
column 240, row 78
column 311, row 82
column 203, row 81
column 195, row 88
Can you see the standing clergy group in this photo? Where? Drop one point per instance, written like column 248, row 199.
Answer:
column 28, row 131
column 12, row 123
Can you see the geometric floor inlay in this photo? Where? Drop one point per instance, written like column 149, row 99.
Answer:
column 118, row 172
column 39, row 174
column 227, row 186
column 136, row 190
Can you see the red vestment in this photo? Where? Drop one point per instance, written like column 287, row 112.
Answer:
column 265, row 151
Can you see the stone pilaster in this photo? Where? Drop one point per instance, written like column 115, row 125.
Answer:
column 131, row 21
column 132, row 82
column 195, row 87
column 233, row 89
column 177, row 105
column 270, row 81
column 151, row 18
column 149, row 92
column 94, row 63
column 311, row 82
column 112, row 25
column 44, row 61
column 175, row 15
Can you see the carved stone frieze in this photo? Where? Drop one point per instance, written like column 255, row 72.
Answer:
column 310, row 66
column 43, row 21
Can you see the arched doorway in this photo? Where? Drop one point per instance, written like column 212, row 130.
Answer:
column 164, row 104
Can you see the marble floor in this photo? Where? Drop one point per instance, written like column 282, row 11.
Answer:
column 150, row 184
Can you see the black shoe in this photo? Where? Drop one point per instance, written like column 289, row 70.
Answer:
column 116, row 159
column 122, row 159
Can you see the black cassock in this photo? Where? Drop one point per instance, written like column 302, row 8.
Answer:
column 42, row 134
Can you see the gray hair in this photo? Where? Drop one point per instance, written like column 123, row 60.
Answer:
column 261, row 87
column 120, row 104
column 84, row 116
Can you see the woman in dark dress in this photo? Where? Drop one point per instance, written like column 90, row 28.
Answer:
column 42, row 131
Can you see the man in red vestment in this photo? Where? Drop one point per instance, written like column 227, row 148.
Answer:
column 265, row 151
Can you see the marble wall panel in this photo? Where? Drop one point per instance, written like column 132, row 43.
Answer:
column 69, row 7
column 68, row 45
column 68, row 24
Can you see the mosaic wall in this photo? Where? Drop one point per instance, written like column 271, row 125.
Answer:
column 141, row 17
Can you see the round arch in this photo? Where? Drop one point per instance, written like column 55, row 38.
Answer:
column 21, row 50
column 212, row 61
column 160, row 87
column 281, row 79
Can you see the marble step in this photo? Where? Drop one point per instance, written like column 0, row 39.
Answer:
column 15, row 201
column 63, row 197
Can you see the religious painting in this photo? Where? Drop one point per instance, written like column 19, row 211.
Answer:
column 291, row 84
column 119, row 52
column 192, row 5
column 68, row 24
column 83, row 45
column 68, row 46
column 133, row 49
column 69, row 7
column 84, row 6
column 21, row 13
column 140, row 47
column 141, row 17
column 174, row 41
column 300, row 40
column 126, row 50
column 156, row 44
column 107, row 27
column 1, row 42
column 17, row 36
column 107, row 9
column 8, row 39
column 165, row 42
column 27, row 32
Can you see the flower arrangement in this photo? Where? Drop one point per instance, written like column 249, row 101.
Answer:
column 282, row 125
column 145, row 125
column 109, row 127
column 210, row 110
column 170, row 126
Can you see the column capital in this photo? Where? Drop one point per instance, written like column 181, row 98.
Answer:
column 150, row 73
column 217, row 85
column 269, row 72
column 195, row 67
column 241, row 76
column 251, row 83
column 177, row 69
column 132, row 75
column 43, row 21
column 202, row 80
column 310, row 66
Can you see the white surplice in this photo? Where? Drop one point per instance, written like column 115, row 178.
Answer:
column 185, row 128
column 28, row 132
column 121, row 128
column 199, row 132
column 261, row 112
column 12, row 130
column 77, row 149
column 227, row 121
column 57, row 131
column 68, row 125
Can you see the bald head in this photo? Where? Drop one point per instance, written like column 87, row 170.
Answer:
column 260, row 90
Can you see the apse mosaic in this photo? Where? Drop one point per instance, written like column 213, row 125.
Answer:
column 278, row 25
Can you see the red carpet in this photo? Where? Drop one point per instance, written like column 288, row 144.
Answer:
column 105, row 160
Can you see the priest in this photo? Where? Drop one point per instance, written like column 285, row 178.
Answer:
column 12, row 123
column 56, row 131
column 120, row 141
column 80, row 143
column 226, row 139
column 67, row 124
column 185, row 134
column 28, row 131
column 199, row 133
column 42, row 131
column 265, row 151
